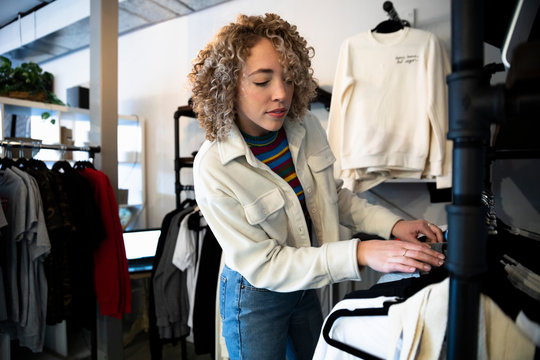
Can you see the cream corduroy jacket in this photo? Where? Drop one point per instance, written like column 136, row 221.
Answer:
column 258, row 220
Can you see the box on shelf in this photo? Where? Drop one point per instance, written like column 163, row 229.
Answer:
column 66, row 138
column 79, row 97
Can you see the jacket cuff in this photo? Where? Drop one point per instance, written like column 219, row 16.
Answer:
column 341, row 260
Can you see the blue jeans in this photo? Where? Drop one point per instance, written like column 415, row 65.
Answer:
column 262, row 324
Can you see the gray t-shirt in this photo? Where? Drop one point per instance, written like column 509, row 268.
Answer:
column 13, row 194
column 35, row 245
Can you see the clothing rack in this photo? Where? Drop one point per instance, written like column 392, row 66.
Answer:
column 473, row 105
column 181, row 162
column 9, row 144
column 92, row 150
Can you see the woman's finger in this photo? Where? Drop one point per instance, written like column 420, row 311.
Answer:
column 433, row 232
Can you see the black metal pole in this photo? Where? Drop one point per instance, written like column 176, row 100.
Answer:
column 13, row 131
column 177, row 158
column 469, row 130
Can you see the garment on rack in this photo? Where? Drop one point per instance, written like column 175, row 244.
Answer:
column 26, row 246
column 169, row 284
column 111, row 276
column 87, row 233
column 388, row 116
column 184, row 281
column 198, row 254
column 204, row 310
column 58, row 218
column 187, row 252
column 75, row 230
column 498, row 285
column 509, row 316
column 415, row 329
column 156, row 351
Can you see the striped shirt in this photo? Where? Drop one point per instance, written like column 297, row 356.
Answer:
column 273, row 150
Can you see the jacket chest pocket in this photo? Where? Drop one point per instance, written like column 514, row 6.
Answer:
column 264, row 206
column 321, row 166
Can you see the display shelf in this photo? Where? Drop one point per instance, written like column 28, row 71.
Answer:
column 76, row 123
column 410, row 180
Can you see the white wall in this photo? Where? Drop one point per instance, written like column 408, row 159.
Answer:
column 154, row 63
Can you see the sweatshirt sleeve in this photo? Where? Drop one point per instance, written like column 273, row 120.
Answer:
column 438, row 67
column 343, row 85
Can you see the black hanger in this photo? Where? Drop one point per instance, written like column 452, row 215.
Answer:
column 393, row 24
column 187, row 203
column 83, row 164
column 21, row 163
column 324, row 97
column 388, row 26
column 6, row 163
column 37, row 164
column 62, row 166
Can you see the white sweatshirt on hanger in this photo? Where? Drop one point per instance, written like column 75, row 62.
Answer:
column 388, row 114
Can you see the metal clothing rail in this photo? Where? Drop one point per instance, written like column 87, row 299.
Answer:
column 181, row 162
column 473, row 105
column 61, row 147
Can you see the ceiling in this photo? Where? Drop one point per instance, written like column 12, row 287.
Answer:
column 132, row 15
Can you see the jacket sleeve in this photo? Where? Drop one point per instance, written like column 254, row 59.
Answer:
column 354, row 212
column 250, row 248
column 359, row 215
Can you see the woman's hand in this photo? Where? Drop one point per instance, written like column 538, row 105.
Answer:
column 410, row 230
column 392, row 255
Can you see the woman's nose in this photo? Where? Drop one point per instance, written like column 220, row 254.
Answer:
column 279, row 91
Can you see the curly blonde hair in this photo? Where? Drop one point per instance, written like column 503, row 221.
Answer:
column 216, row 69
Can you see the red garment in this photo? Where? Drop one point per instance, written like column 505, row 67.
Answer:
column 111, row 275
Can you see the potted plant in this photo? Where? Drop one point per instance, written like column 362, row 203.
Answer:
column 26, row 81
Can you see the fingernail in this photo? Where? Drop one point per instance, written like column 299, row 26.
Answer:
column 441, row 256
column 441, row 262
column 427, row 267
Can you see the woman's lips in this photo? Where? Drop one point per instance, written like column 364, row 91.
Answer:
column 277, row 113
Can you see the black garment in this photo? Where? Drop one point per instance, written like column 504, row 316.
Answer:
column 204, row 310
column 495, row 283
column 87, row 233
column 59, row 227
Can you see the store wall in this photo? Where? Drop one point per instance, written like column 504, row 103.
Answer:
column 154, row 63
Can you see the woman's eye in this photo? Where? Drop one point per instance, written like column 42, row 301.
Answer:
column 262, row 83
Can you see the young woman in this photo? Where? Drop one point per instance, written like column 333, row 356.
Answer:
column 264, row 182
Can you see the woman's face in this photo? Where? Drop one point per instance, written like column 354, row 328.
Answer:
column 264, row 97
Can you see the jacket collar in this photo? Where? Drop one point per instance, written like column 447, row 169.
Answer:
column 234, row 145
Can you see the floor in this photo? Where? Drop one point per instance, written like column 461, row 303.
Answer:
column 135, row 335
column 79, row 349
